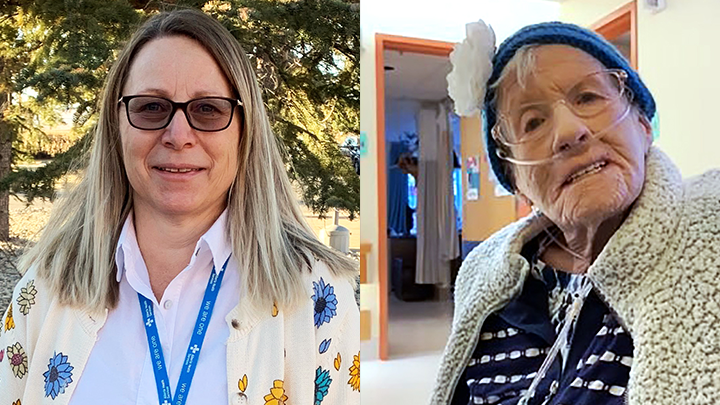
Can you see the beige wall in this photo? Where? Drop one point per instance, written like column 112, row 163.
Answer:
column 587, row 12
column 485, row 216
column 678, row 60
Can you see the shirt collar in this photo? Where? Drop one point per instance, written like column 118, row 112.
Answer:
column 215, row 240
column 126, row 244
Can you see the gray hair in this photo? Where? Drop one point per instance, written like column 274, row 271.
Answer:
column 520, row 68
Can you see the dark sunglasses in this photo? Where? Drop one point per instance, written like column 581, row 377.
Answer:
column 208, row 114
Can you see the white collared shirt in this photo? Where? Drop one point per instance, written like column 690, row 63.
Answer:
column 119, row 370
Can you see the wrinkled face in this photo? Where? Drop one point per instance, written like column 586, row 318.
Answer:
column 596, row 178
column 178, row 170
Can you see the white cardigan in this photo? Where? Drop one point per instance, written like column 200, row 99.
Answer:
column 274, row 357
column 660, row 272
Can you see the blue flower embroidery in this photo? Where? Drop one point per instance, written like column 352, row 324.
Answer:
column 325, row 302
column 58, row 376
column 324, row 345
column 322, row 384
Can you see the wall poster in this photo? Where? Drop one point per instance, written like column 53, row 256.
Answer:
column 473, row 178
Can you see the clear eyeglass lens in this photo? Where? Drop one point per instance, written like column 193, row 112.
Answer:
column 594, row 98
column 208, row 114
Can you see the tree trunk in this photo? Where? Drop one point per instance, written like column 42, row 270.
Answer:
column 5, row 160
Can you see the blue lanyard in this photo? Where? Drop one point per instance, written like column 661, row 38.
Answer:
column 193, row 351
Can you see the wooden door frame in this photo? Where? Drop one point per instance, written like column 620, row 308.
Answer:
column 618, row 22
column 404, row 44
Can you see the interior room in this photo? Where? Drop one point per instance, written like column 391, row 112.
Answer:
column 422, row 138
column 639, row 31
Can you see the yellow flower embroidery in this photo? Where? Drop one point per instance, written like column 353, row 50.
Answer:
column 354, row 380
column 17, row 402
column 338, row 361
column 275, row 310
column 9, row 321
column 242, row 383
column 277, row 394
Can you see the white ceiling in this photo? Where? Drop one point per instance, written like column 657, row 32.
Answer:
column 416, row 76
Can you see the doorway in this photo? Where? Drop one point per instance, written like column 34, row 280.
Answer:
column 422, row 62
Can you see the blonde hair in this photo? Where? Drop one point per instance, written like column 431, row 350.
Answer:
column 270, row 239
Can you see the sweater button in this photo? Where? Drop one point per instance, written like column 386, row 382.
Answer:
column 240, row 399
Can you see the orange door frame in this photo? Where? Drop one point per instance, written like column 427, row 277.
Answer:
column 618, row 22
column 404, row 44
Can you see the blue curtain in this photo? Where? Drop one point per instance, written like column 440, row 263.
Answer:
column 397, row 198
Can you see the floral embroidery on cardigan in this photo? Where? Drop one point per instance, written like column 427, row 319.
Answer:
column 324, row 345
column 277, row 394
column 17, row 402
column 58, row 376
column 325, row 302
column 242, row 383
column 9, row 321
column 275, row 310
column 322, row 384
column 338, row 362
column 242, row 386
column 354, row 380
column 26, row 299
column 18, row 359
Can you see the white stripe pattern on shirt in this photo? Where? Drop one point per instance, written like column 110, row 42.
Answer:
column 515, row 354
column 597, row 385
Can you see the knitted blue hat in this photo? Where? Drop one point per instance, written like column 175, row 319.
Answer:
column 565, row 34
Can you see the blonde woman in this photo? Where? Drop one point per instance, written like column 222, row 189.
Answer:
column 180, row 269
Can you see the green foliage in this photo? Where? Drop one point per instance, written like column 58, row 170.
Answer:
column 306, row 54
column 40, row 183
column 56, row 54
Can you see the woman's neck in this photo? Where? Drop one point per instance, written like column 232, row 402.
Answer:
column 577, row 247
column 167, row 242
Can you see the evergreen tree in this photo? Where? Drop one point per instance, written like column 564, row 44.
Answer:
column 52, row 54
column 56, row 55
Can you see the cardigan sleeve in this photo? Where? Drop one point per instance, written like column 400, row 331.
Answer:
column 337, row 333
column 16, row 347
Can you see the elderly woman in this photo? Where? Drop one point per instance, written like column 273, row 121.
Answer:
column 608, row 293
column 180, row 269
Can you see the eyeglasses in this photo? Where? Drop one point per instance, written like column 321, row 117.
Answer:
column 601, row 99
column 208, row 114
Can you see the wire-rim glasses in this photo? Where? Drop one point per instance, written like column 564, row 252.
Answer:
column 207, row 114
column 595, row 98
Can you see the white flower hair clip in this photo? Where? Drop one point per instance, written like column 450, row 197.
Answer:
column 472, row 67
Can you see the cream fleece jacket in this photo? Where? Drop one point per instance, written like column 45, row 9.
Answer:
column 660, row 272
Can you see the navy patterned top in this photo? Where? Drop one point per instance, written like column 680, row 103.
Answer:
column 592, row 369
